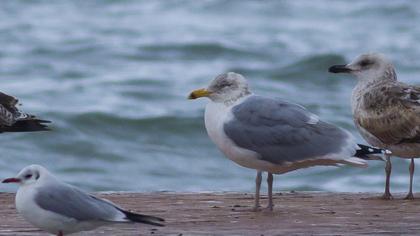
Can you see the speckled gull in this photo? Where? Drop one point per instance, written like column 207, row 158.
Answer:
column 386, row 111
column 272, row 135
column 13, row 120
column 59, row 208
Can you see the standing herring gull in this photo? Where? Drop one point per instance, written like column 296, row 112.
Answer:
column 13, row 120
column 273, row 135
column 60, row 208
column 386, row 112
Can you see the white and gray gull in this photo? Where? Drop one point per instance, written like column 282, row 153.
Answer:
column 273, row 135
column 13, row 120
column 60, row 209
column 386, row 111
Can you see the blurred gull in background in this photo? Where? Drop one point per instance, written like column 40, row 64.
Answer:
column 14, row 120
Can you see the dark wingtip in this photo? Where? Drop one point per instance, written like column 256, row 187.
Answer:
column 145, row 219
column 28, row 125
column 44, row 121
column 368, row 153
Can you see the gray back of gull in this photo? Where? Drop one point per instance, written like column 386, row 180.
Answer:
column 72, row 202
column 281, row 131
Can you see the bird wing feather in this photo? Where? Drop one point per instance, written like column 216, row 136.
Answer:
column 72, row 202
column 391, row 112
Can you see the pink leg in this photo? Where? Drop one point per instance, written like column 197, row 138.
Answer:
column 387, row 195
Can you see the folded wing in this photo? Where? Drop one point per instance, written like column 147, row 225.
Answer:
column 281, row 131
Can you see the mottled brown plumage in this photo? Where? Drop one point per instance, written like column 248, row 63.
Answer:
column 390, row 111
column 386, row 112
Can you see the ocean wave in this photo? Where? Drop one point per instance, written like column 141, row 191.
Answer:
column 197, row 51
column 142, row 126
column 313, row 69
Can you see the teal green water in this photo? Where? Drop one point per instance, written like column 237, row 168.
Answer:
column 113, row 76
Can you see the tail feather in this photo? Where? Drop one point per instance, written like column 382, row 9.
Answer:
column 146, row 219
column 368, row 153
column 357, row 162
column 27, row 125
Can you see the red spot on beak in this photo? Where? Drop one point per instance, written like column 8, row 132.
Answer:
column 11, row 180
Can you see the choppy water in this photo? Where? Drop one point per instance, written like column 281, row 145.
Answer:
column 113, row 76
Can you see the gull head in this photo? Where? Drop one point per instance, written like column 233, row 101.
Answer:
column 225, row 88
column 28, row 175
column 368, row 67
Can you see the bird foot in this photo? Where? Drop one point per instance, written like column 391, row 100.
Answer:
column 409, row 196
column 256, row 208
column 269, row 208
column 387, row 196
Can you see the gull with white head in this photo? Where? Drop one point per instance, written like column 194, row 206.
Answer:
column 59, row 208
column 386, row 111
column 273, row 135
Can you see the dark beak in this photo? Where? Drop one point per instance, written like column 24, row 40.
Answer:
column 339, row 69
column 11, row 180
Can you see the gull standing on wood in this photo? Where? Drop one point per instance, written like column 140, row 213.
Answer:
column 13, row 120
column 59, row 208
column 386, row 112
column 273, row 135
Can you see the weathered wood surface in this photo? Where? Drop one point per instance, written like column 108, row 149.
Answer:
column 229, row 214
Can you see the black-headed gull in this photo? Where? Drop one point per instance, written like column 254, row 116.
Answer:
column 60, row 208
column 272, row 135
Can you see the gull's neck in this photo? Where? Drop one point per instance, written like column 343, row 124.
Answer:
column 241, row 97
column 365, row 85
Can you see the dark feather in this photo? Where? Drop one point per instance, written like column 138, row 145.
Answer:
column 8, row 101
column 27, row 125
column 146, row 219
column 13, row 120
column 368, row 153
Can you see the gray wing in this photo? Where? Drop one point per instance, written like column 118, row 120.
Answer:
column 69, row 201
column 281, row 131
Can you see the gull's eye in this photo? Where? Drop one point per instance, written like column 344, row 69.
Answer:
column 28, row 176
column 365, row 63
column 226, row 84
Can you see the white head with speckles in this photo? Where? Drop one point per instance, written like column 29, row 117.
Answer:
column 368, row 67
column 227, row 87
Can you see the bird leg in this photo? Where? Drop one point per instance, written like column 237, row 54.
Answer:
column 60, row 233
column 410, row 195
column 387, row 194
column 257, row 191
column 270, row 191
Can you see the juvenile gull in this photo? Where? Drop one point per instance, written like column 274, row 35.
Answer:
column 59, row 208
column 13, row 120
column 386, row 112
column 272, row 135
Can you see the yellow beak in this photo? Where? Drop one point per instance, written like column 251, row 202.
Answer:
column 199, row 93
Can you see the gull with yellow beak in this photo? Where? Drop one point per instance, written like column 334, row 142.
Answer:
column 273, row 135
